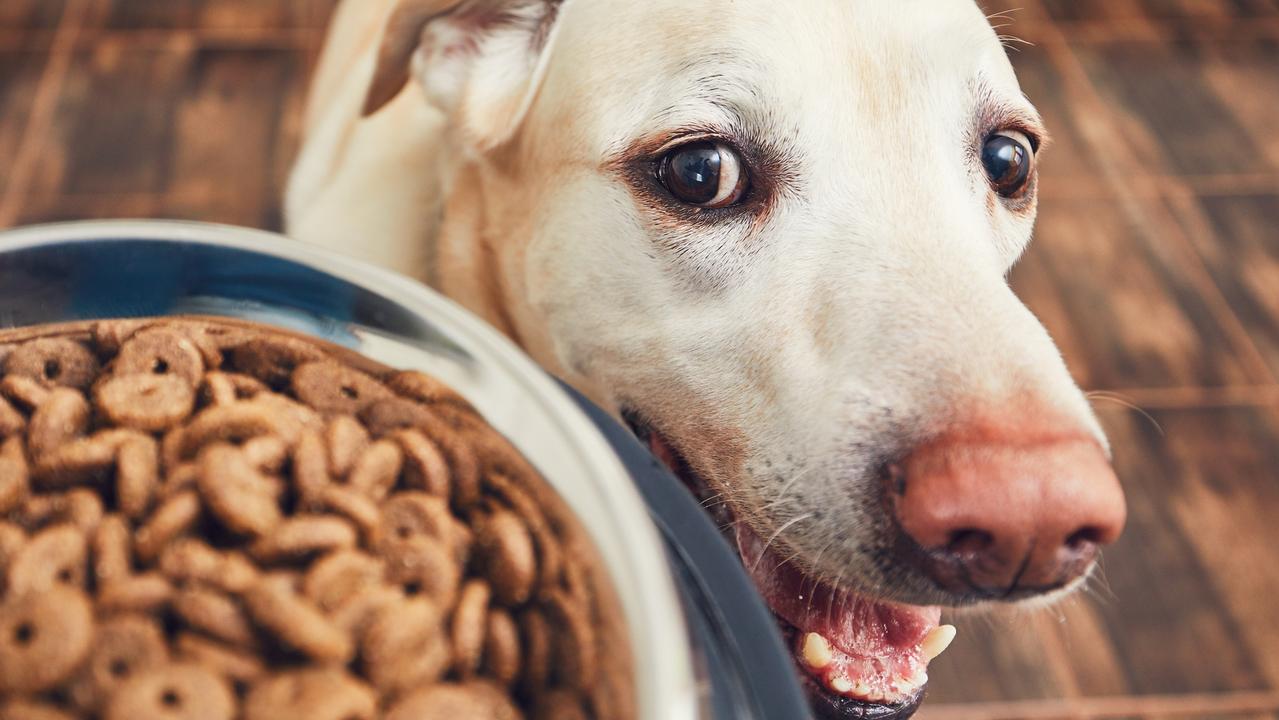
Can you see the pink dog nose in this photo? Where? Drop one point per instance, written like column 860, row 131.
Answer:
column 1007, row 518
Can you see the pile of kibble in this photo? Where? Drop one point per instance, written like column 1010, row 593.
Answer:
column 210, row 520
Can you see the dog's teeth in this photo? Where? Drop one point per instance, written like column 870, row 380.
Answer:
column 817, row 651
column 841, row 685
column 937, row 640
column 862, row 690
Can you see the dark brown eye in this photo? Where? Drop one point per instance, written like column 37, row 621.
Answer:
column 705, row 173
column 1008, row 160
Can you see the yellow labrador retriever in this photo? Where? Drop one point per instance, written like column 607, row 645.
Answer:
column 773, row 236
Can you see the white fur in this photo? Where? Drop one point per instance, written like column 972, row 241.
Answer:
column 869, row 311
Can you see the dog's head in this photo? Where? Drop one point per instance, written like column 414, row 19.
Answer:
column 775, row 237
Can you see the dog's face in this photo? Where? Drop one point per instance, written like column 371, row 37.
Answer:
column 775, row 238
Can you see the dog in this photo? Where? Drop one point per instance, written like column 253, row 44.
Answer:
column 774, row 238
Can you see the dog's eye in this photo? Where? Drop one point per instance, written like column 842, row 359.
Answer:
column 1008, row 160
column 706, row 174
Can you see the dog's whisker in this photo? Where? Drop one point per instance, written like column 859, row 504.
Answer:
column 786, row 488
column 816, row 574
column 777, row 533
column 1121, row 401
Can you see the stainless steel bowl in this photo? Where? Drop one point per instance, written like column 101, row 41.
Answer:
column 85, row 270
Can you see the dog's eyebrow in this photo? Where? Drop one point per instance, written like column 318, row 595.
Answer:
column 995, row 112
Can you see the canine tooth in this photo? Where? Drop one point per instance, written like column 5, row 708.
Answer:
column 817, row 652
column 841, row 685
column 937, row 640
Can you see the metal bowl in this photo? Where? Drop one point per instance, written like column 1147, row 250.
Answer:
column 90, row 270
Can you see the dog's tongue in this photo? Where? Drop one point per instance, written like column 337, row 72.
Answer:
column 855, row 647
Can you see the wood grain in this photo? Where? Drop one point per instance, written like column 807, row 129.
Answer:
column 1155, row 266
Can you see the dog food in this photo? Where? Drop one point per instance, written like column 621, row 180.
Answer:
column 209, row 520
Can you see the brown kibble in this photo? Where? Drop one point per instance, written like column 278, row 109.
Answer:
column 311, row 466
column 410, row 514
column 233, row 423
column 319, row 694
column 160, row 351
column 110, row 545
column 137, row 475
column 501, row 648
column 271, row 358
column 56, row 555
column 451, row 701
column 149, row 403
column 266, row 453
column 422, row 566
column 43, row 638
column 62, row 417
column 278, row 609
column 236, row 493
column 216, row 614
column 15, row 475
column 356, row 507
column 377, row 470
column 81, row 461
column 347, row 440
column 230, row 662
column 26, row 392
column 80, row 507
column 123, row 646
column 358, row 611
column 173, row 692
column 171, row 519
column 193, row 561
column 535, row 635
column 508, row 557
column 303, row 535
column 336, row 389
column 53, row 362
column 143, row 593
column 404, row 646
column 12, row 538
column 574, row 653
column 425, row 467
column 470, row 620
column 12, row 422
column 424, row 388
column 559, row 705
column 109, row 335
column 27, row 709
column 226, row 388
column 337, row 577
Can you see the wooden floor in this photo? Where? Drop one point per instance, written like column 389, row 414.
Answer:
column 1156, row 268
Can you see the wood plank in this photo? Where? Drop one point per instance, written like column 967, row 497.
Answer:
column 1235, row 234
column 1170, row 118
column 210, row 129
column 1121, row 301
column 20, row 73
column 218, row 14
column 30, row 15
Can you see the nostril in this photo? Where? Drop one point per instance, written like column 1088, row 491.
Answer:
column 1084, row 537
column 968, row 541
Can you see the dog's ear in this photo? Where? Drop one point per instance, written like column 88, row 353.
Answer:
column 477, row 60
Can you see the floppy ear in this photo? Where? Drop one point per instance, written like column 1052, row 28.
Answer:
column 477, row 60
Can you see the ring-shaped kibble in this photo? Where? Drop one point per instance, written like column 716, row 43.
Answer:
column 43, row 638
column 469, row 625
column 173, row 692
column 150, row 403
column 422, row 566
column 12, row 422
column 270, row 359
column 54, row 362
column 53, row 556
column 318, row 694
column 507, row 555
column 377, row 470
column 123, row 646
column 160, row 351
column 336, row 389
column 502, row 647
column 347, row 440
column 404, row 646
column 277, row 608
column 62, row 417
column 449, row 701
column 338, row 576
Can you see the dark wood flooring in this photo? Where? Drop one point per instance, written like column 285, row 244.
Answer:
column 1156, row 267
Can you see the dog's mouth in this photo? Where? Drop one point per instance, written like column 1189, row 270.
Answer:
column 858, row 656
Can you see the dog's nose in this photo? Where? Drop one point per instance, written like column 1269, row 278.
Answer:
column 1007, row 518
